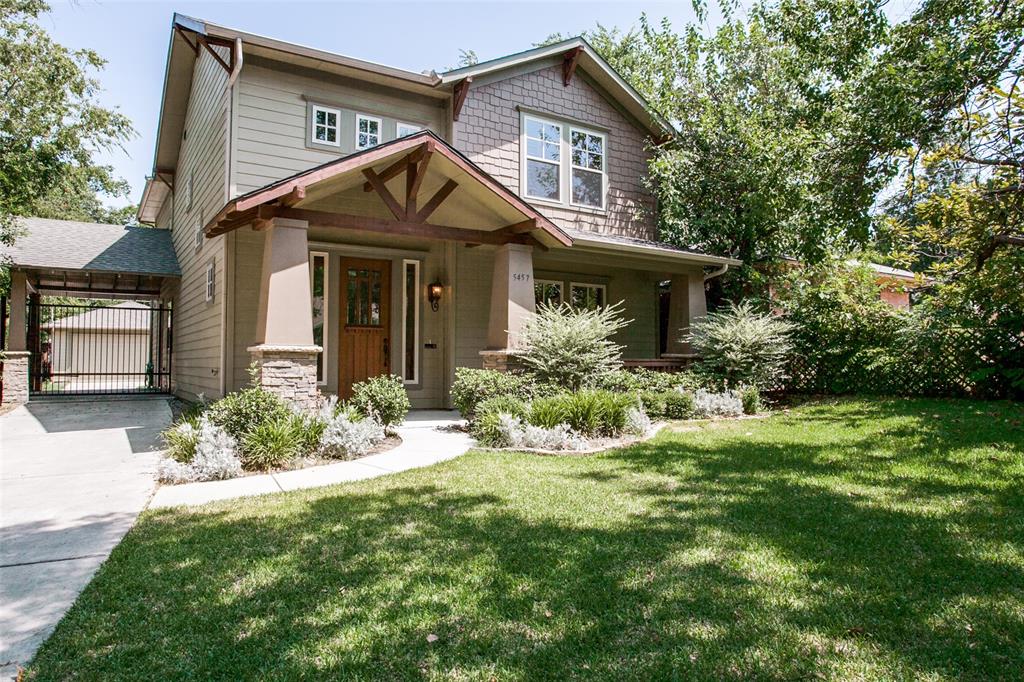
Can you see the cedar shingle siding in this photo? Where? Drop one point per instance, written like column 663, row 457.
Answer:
column 488, row 132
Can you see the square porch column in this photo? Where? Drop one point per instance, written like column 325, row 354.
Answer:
column 284, row 350
column 687, row 304
column 16, row 358
column 512, row 302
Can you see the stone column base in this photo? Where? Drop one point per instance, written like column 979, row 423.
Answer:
column 503, row 360
column 288, row 372
column 16, row 376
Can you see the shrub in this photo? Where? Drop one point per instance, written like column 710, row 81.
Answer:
column 653, row 403
column 519, row 435
column 726, row 404
column 214, row 458
column 637, row 422
column 473, row 386
column 273, row 443
column 344, row 438
column 241, row 412
column 180, row 440
column 572, row 347
column 486, row 426
column 642, row 379
column 739, row 345
column 383, row 398
column 678, row 405
column 750, row 396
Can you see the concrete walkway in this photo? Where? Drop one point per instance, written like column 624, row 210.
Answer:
column 425, row 441
column 74, row 474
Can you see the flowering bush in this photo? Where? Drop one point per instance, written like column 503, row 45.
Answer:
column 726, row 404
column 345, row 438
column 215, row 458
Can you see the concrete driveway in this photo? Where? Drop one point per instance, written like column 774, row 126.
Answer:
column 74, row 475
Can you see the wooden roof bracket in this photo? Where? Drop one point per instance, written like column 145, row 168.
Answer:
column 569, row 61
column 166, row 176
column 227, row 66
column 181, row 32
column 461, row 90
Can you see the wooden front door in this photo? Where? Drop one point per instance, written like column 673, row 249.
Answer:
column 365, row 321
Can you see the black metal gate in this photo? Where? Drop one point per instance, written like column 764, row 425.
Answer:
column 100, row 347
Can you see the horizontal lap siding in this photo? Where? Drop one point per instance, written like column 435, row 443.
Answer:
column 197, row 351
column 270, row 136
column 488, row 132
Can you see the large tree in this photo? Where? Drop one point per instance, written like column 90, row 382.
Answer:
column 51, row 122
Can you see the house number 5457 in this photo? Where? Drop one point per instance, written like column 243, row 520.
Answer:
column 521, row 276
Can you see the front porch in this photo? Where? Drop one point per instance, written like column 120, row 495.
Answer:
column 394, row 293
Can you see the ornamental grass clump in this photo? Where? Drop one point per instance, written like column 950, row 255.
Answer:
column 570, row 347
column 739, row 345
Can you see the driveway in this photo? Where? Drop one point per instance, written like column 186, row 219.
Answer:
column 74, row 474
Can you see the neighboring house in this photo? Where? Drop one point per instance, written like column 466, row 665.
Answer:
column 335, row 219
column 895, row 284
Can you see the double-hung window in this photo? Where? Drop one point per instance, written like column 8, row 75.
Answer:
column 326, row 126
column 367, row 131
column 587, row 168
column 586, row 296
column 406, row 129
column 543, row 159
column 547, row 291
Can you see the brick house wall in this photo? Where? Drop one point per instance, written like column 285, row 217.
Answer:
column 488, row 132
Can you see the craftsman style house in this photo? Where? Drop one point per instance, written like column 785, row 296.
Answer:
column 335, row 219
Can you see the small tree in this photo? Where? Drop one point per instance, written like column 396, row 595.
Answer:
column 739, row 345
column 572, row 347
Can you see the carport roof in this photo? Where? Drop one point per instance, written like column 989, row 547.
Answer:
column 93, row 247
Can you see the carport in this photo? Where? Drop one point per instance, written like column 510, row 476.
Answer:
column 98, row 263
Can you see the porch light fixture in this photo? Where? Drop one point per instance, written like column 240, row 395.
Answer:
column 434, row 291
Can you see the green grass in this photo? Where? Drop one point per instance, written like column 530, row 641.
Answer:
column 855, row 539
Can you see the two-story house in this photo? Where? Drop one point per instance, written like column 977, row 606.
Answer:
column 336, row 219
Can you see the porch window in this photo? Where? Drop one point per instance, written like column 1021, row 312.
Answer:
column 587, row 177
column 367, row 131
column 587, row 296
column 547, row 291
column 406, row 129
column 325, row 126
column 318, row 289
column 543, row 159
column 410, row 320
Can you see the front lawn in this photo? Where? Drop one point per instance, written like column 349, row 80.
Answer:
column 855, row 539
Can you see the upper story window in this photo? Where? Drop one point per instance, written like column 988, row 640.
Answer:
column 211, row 281
column 587, row 177
column 367, row 131
column 405, row 129
column 326, row 126
column 543, row 159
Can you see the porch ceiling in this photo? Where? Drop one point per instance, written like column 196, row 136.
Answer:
column 413, row 185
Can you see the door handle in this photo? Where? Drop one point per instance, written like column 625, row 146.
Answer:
column 387, row 355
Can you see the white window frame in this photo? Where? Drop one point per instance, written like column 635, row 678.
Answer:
column 412, row 127
column 561, row 288
column 336, row 126
column 416, row 321
column 211, row 281
column 322, row 381
column 380, row 130
column 199, row 236
column 603, row 172
column 589, row 285
column 527, row 158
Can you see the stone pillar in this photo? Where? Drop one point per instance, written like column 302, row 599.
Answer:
column 16, row 358
column 284, row 349
column 512, row 302
column 687, row 304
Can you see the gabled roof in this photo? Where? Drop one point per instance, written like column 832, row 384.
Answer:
column 590, row 61
column 482, row 194
column 93, row 247
column 644, row 248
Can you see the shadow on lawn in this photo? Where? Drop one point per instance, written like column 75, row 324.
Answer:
column 720, row 557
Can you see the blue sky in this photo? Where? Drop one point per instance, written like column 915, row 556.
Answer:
column 133, row 38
